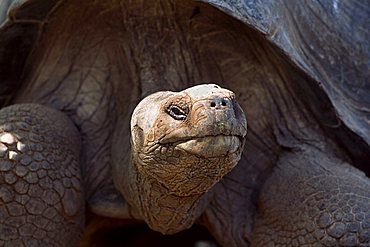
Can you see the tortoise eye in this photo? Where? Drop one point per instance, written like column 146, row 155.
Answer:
column 176, row 112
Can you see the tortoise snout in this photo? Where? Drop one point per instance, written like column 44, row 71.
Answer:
column 215, row 111
column 221, row 107
column 220, row 114
column 220, row 103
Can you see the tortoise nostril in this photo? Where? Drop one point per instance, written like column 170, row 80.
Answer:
column 219, row 103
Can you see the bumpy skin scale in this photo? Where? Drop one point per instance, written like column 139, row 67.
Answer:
column 41, row 201
column 314, row 202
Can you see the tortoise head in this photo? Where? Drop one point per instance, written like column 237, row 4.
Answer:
column 187, row 141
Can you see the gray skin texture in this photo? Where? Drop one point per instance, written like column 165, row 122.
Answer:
column 295, row 184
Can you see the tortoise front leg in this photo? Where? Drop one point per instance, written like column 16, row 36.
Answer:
column 314, row 199
column 41, row 197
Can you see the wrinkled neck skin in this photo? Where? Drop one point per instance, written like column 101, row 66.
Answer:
column 153, row 203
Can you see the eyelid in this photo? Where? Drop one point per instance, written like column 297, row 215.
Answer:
column 181, row 116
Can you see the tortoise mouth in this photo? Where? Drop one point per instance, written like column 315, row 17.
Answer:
column 211, row 145
column 177, row 140
column 201, row 137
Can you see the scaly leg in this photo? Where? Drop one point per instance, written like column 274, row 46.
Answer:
column 41, row 196
column 313, row 199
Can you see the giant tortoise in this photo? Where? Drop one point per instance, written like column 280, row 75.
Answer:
column 118, row 109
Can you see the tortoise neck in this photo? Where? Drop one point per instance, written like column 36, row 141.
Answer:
column 168, row 213
column 162, row 211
